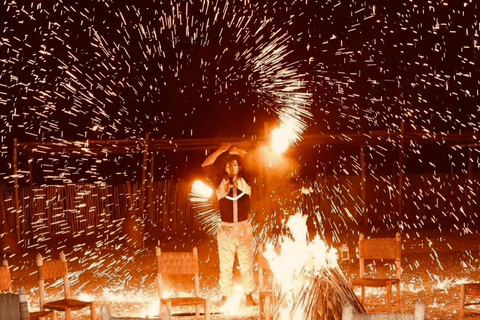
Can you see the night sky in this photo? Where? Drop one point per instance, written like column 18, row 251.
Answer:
column 79, row 70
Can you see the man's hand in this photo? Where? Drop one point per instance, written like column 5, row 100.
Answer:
column 224, row 147
column 237, row 151
column 235, row 182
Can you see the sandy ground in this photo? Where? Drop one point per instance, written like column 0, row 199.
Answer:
column 434, row 266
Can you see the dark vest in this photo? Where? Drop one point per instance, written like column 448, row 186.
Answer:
column 226, row 207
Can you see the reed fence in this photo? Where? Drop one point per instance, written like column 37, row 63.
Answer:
column 96, row 211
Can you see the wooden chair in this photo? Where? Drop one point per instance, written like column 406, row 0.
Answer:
column 469, row 294
column 56, row 269
column 266, row 292
column 6, row 286
column 181, row 263
column 419, row 314
column 380, row 249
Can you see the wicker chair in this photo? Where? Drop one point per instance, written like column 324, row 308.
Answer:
column 419, row 314
column 469, row 293
column 266, row 293
column 56, row 269
column 181, row 263
column 6, row 286
column 380, row 249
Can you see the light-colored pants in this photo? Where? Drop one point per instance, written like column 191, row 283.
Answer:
column 235, row 238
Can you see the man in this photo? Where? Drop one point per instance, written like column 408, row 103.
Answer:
column 235, row 235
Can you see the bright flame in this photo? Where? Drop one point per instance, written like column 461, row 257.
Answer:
column 281, row 139
column 201, row 192
column 288, row 133
column 298, row 261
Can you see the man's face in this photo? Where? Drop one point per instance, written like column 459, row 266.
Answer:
column 232, row 168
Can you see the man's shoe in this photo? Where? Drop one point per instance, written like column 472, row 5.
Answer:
column 249, row 301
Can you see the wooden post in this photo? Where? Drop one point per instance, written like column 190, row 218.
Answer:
column 363, row 186
column 144, row 176
column 401, row 171
column 150, row 206
column 8, row 241
column 470, row 166
column 41, row 281
column 31, row 204
column 132, row 225
column 15, row 194
column 469, row 183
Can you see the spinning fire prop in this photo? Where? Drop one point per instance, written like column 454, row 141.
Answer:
column 202, row 199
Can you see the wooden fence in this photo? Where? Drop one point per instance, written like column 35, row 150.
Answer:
column 96, row 211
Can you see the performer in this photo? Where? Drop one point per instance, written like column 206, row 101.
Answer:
column 223, row 168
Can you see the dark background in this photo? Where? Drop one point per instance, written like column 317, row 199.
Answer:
column 79, row 70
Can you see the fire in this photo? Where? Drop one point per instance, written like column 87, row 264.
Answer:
column 288, row 133
column 299, row 261
column 201, row 192
column 282, row 138
column 232, row 306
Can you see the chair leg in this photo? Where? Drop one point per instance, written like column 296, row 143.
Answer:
column 268, row 306
column 68, row 314
column 92, row 311
column 363, row 294
column 260, row 305
column 398, row 296
column 389, row 297
column 207, row 310
column 169, row 306
column 197, row 311
column 462, row 302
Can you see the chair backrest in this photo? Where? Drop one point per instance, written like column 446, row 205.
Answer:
column 380, row 249
column 419, row 314
column 5, row 279
column 179, row 263
column 52, row 270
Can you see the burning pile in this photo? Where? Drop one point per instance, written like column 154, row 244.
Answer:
column 311, row 284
